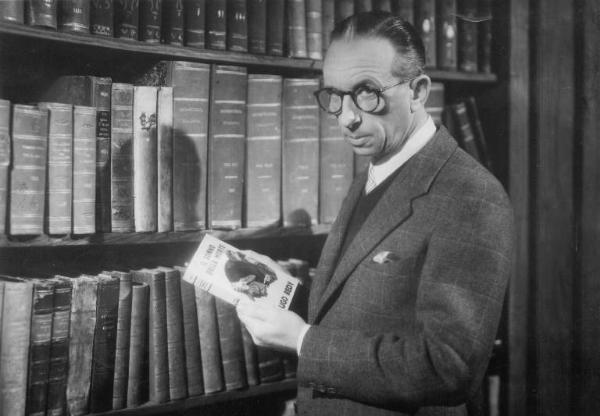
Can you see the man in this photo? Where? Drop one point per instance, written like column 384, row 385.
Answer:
column 408, row 292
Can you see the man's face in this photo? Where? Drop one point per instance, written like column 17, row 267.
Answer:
column 368, row 61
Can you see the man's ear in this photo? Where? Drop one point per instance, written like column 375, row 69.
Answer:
column 420, row 87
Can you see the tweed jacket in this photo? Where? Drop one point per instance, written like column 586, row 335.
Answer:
column 404, row 321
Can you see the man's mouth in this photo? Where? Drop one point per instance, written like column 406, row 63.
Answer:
column 357, row 141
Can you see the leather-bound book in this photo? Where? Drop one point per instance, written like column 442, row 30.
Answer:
column 226, row 145
column 263, row 151
column 467, row 35
column 216, row 24
column 150, row 20
column 343, row 9
column 336, row 168
column 119, row 393
column 105, row 337
column 138, row 371
column 484, row 38
column 12, row 11
column 314, row 29
column 275, row 27
column 195, row 23
column 41, row 13
column 74, row 16
column 257, row 26
column 212, row 371
column 15, row 332
column 296, row 28
column 237, row 26
column 5, row 156
column 173, row 22
column 232, row 347
column 446, row 34
column 327, row 21
column 84, row 169
column 464, row 130
column 165, row 159
column 300, row 181
column 382, row 5
column 127, row 19
column 102, row 17
column 405, row 9
column 270, row 365
column 28, row 172
column 363, row 6
column 250, row 358
column 425, row 24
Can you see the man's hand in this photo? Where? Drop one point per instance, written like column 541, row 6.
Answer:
column 271, row 326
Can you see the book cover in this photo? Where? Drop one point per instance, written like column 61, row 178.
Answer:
column 228, row 273
column 296, row 28
column 484, row 36
column 314, row 29
column 405, row 9
column 257, row 26
column 150, row 20
column 102, row 17
column 237, row 26
column 119, row 393
column 74, row 16
column 232, row 347
column 195, row 24
column 165, row 159
column 343, row 9
column 41, row 13
column 446, row 34
column 84, row 170
column 12, row 11
column 216, row 24
column 126, row 19
column 5, row 157
column 208, row 330
column 173, row 22
column 467, row 21
column 138, row 371
column 426, row 27
column 275, row 27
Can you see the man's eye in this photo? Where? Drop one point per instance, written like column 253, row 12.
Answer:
column 365, row 91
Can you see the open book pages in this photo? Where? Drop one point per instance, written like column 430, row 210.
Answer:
column 230, row 274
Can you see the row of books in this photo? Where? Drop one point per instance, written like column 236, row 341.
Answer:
column 114, row 340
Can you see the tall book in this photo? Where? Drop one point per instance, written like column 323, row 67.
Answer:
column 327, row 21
column 363, row 6
column 119, row 393
column 145, row 164
column 250, row 358
column 102, row 17
column 314, row 29
column 14, row 344
column 127, row 22
column 296, row 28
column 74, row 16
column 300, row 181
column 275, row 27
column 28, row 172
column 227, row 133
column 343, row 9
column 12, row 11
column 208, row 329
column 121, row 155
column 257, row 26
column 467, row 35
column 173, row 20
column 137, row 373
column 5, row 157
column 405, row 9
column 216, row 24
column 232, row 347
column 446, row 34
column 336, row 168
column 237, row 26
column 150, row 20
column 191, row 86
column 195, row 23
column 425, row 24
column 484, row 38
column 480, row 139
column 165, row 159
column 263, row 151
column 84, row 170
column 41, row 13
column 464, row 130
column 436, row 102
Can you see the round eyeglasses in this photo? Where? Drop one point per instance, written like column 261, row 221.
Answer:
column 366, row 98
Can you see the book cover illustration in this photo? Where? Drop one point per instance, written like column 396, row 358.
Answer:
column 229, row 274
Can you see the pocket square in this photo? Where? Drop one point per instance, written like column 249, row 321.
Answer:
column 384, row 257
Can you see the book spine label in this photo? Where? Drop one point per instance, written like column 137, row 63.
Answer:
column 405, row 9
column 446, row 34
column 296, row 28
column 227, row 133
column 42, row 13
column 126, row 19
column 232, row 347
column 314, row 29
column 150, row 20
column 175, row 345
column 300, row 152
column 173, row 22
column 12, row 11
column 343, row 9
column 102, row 17
column 28, row 175
column 119, row 393
column 467, row 35
column 193, row 361
column 237, row 26
column 165, row 159
column 425, row 25
column 216, row 24
column 195, row 15
column 257, row 26
column 5, row 155
column 275, row 27
column 208, row 330
column 137, row 378
column 102, row 94
column 74, row 16
column 84, row 170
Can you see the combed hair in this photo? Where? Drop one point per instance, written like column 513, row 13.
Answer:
column 402, row 35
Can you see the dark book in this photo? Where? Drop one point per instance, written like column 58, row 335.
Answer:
column 208, row 329
column 105, row 337
column 336, row 168
column 195, row 23
column 270, row 365
column 74, row 16
column 327, row 21
column 300, row 160
column 12, row 11
column 436, row 102
column 145, row 165
column 5, row 157
column 42, row 13
column 361, row 163
column 119, row 393
column 314, row 29
column 467, row 35
column 257, row 26
column 290, row 364
column 102, row 17
column 275, row 27
column 237, row 26
column 250, row 358
column 127, row 19
column 343, row 9
column 478, row 133
column 383, row 5
column 226, row 146
column 464, row 130
column 216, row 24
column 28, row 171
column 165, row 159
column 138, row 371
column 296, row 28
column 263, row 151
column 484, row 36
column 158, row 364
column 84, row 170
column 173, row 22
column 60, row 167
column 363, row 6
column 150, row 20
column 14, row 343
column 426, row 27
column 232, row 347
column 446, row 34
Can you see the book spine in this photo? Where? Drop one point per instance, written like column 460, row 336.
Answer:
column 361, row 163
column 436, row 102
column 363, row 6
column 105, row 336
column 467, row 35
column 137, row 374
column 119, row 393
column 165, row 159
column 343, row 9
column 102, row 95
column 74, row 16
column 84, row 169
column 237, row 26
column 150, row 20
column 121, row 166
column 484, row 36
column 405, row 9
column 41, row 13
column 173, row 22
column 5, row 156
column 270, row 366
column 257, row 26
column 250, row 358
column 208, row 331
column 275, row 27
column 425, row 25
column 314, row 29
column 300, row 152
column 102, row 17
column 327, row 21
column 227, row 133
column 446, row 34
column 191, row 86
column 382, row 5
column 12, row 11
column 473, row 113
column 195, row 24
column 336, row 170
column 145, row 165
column 14, row 346
column 232, row 347
column 465, row 135
column 60, row 167
column 263, row 151
column 216, row 24
column 28, row 174
column 126, row 19
column 296, row 28
column 290, row 363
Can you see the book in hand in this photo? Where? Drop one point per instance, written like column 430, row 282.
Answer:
column 230, row 274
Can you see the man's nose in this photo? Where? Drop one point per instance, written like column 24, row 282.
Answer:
column 350, row 117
